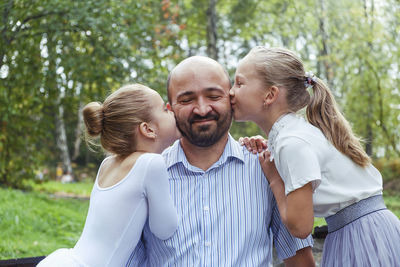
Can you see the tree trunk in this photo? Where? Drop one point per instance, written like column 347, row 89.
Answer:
column 55, row 99
column 370, row 137
column 62, row 138
column 6, row 12
column 324, row 51
column 212, row 37
column 370, row 93
column 78, row 133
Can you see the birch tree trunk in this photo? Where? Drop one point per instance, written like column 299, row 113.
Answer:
column 324, row 51
column 62, row 138
column 212, row 37
column 370, row 93
column 55, row 98
column 78, row 133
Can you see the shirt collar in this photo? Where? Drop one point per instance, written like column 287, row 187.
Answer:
column 176, row 155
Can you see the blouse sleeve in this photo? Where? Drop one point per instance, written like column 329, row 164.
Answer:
column 297, row 164
column 163, row 219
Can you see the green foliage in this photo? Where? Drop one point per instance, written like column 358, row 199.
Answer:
column 392, row 201
column 389, row 168
column 67, row 53
column 241, row 129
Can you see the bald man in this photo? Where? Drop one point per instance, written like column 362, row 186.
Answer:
column 228, row 215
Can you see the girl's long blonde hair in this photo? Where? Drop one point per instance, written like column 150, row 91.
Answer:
column 116, row 120
column 282, row 68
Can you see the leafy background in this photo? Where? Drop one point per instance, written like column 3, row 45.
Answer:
column 57, row 55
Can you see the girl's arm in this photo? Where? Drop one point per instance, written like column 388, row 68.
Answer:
column 163, row 219
column 296, row 209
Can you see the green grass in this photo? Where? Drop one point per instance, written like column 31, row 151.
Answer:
column 80, row 189
column 319, row 221
column 392, row 201
column 35, row 224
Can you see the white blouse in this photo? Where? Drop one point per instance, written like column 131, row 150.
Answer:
column 302, row 154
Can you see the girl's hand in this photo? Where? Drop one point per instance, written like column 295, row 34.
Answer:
column 255, row 144
column 269, row 168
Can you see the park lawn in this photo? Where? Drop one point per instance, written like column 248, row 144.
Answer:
column 36, row 223
column 81, row 189
column 392, row 201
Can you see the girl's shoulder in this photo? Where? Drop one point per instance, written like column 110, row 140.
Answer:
column 114, row 171
column 149, row 162
column 300, row 129
column 152, row 158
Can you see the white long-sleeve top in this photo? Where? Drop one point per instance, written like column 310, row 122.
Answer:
column 117, row 215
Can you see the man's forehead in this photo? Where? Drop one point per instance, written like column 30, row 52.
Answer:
column 197, row 85
column 200, row 78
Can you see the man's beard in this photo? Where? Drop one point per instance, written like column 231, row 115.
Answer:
column 203, row 135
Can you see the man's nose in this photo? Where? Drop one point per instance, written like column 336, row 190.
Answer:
column 202, row 108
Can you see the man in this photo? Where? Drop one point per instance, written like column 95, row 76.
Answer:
column 228, row 216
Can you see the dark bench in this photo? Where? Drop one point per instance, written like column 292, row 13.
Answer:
column 23, row 262
column 320, row 231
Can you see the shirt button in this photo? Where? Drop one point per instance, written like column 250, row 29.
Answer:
column 206, row 208
column 207, row 244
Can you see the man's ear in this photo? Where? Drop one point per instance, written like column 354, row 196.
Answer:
column 271, row 95
column 169, row 107
column 147, row 130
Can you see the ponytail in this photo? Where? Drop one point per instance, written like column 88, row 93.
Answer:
column 323, row 113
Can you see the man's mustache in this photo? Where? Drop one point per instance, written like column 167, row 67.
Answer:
column 209, row 116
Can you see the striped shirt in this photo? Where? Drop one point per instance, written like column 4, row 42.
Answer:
column 228, row 215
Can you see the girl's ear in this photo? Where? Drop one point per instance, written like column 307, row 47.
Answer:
column 147, row 130
column 271, row 95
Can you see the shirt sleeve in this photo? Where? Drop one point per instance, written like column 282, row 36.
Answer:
column 286, row 245
column 297, row 164
column 163, row 219
column 138, row 257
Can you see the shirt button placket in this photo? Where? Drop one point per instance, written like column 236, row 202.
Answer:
column 206, row 219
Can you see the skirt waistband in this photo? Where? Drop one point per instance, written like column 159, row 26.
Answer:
column 354, row 211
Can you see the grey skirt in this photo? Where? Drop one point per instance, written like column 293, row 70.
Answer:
column 364, row 234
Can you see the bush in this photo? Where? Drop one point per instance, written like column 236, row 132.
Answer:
column 389, row 168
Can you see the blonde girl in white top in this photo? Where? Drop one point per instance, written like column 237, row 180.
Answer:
column 132, row 185
column 325, row 171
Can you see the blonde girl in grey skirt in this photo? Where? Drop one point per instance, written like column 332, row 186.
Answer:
column 315, row 167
